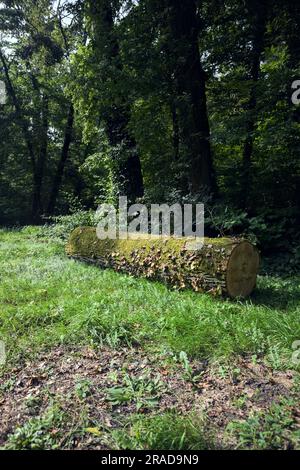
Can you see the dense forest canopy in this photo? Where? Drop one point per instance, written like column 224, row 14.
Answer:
column 159, row 100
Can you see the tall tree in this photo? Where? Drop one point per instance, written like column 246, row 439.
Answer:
column 41, row 158
column 190, row 80
column 58, row 177
column 258, row 15
column 35, row 165
column 116, row 116
column 36, row 56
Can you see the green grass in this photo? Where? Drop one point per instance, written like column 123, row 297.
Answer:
column 274, row 430
column 47, row 299
column 169, row 431
column 166, row 432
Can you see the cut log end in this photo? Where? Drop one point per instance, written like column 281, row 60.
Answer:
column 242, row 270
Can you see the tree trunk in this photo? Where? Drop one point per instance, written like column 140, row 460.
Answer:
column 259, row 12
column 37, row 205
column 293, row 41
column 62, row 162
column 118, row 116
column 191, row 89
column 129, row 172
column 221, row 266
column 176, row 131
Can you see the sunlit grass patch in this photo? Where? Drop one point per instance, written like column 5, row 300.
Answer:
column 47, row 299
column 169, row 431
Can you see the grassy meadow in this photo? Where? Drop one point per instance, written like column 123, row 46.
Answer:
column 150, row 344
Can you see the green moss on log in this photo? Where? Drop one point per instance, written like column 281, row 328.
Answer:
column 163, row 259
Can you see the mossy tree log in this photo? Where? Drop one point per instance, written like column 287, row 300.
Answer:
column 222, row 266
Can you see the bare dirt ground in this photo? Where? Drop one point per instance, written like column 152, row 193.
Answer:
column 221, row 394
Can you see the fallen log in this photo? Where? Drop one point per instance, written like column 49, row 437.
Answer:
column 222, row 266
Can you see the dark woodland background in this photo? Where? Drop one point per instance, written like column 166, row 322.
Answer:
column 159, row 100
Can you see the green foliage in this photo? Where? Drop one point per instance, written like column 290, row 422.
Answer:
column 106, row 73
column 99, row 172
column 273, row 233
column 144, row 391
column 83, row 389
column 33, row 133
column 284, row 263
column 188, row 370
column 64, row 225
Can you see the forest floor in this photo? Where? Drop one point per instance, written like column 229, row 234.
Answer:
column 100, row 360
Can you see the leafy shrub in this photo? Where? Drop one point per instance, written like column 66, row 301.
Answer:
column 63, row 225
column 285, row 264
column 272, row 232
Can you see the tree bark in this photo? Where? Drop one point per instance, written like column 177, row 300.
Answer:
column 37, row 204
column 62, row 162
column 293, row 42
column 258, row 17
column 36, row 198
column 176, row 131
column 118, row 116
column 191, row 89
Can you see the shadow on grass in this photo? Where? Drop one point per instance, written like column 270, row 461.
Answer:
column 273, row 292
column 277, row 293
